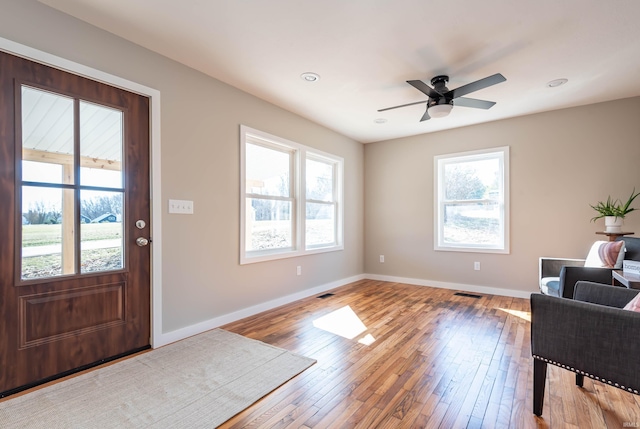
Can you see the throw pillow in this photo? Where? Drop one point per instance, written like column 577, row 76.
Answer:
column 634, row 304
column 606, row 254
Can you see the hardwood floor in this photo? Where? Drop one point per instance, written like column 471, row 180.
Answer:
column 427, row 359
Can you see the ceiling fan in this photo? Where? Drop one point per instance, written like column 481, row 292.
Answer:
column 442, row 99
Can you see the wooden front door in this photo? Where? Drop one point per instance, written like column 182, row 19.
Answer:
column 74, row 197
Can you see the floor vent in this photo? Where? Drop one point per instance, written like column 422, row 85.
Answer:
column 468, row 295
column 326, row 295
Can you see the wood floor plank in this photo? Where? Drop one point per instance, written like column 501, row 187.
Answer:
column 432, row 360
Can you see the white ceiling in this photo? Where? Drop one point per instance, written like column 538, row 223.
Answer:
column 365, row 50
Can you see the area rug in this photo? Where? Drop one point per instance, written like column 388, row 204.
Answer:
column 199, row 382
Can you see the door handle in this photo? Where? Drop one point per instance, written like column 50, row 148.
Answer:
column 141, row 241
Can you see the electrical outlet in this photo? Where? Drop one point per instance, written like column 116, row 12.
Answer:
column 299, row 270
column 476, row 266
column 381, row 259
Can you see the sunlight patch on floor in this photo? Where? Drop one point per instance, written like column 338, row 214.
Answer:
column 345, row 323
column 526, row 315
column 367, row 340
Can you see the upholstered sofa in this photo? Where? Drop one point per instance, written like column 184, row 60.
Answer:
column 558, row 276
column 591, row 335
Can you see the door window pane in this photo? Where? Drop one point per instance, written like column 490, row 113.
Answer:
column 50, row 243
column 47, row 136
column 101, row 139
column 43, row 172
column 101, row 231
column 47, row 240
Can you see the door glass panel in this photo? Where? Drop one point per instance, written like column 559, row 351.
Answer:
column 101, row 231
column 47, row 157
column 47, row 136
column 49, row 205
column 47, row 240
column 101, row 142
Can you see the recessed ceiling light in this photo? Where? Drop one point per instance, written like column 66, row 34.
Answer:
column 380, row 121
column 557, row 82
column 310, row 77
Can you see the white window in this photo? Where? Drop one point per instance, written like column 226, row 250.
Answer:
column 472, row 201
column 291, row 198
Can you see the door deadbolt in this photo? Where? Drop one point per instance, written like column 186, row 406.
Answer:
column 140, row 224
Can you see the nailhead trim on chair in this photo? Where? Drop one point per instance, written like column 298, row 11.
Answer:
column 629, row 389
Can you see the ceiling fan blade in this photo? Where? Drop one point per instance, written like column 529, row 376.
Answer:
column 426, row 116
column 475, row 86
column 424, row 88
column 472, row 102
column 402, row 105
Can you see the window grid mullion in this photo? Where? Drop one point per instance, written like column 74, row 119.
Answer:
column 297, row 181
column 269, row 197
column 320, row 202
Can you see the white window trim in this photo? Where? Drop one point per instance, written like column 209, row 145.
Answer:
column 439, row 208
column 336, row 198
column 300, row 153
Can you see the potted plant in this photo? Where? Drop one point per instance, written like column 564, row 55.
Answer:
column 614, row 211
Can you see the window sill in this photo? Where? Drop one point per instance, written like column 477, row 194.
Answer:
column 272, row 255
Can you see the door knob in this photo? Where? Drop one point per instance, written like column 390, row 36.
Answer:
column 141, row 241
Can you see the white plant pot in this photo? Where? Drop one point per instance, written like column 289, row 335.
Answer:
column 613, row 224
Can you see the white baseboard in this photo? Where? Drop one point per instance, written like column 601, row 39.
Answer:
column 188, row 331
column 453, row 286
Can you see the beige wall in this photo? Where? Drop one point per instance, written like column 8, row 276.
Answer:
column 201, row 276
column 561, row 161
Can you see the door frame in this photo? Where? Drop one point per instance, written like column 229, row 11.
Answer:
column 157, row 338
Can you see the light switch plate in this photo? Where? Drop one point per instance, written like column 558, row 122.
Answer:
column 181, row 206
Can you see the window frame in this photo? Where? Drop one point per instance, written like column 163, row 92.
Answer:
column 297, row 177
column 500, row 153
column 335, row 164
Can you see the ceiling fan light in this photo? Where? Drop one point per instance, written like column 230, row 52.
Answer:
column 439, row 110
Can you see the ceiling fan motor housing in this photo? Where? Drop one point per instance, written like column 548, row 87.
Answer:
column 439, row 83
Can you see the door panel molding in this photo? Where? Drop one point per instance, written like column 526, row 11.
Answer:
column 42, row 315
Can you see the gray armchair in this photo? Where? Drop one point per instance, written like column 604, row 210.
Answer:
column 558, row 276
column 590, row 335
